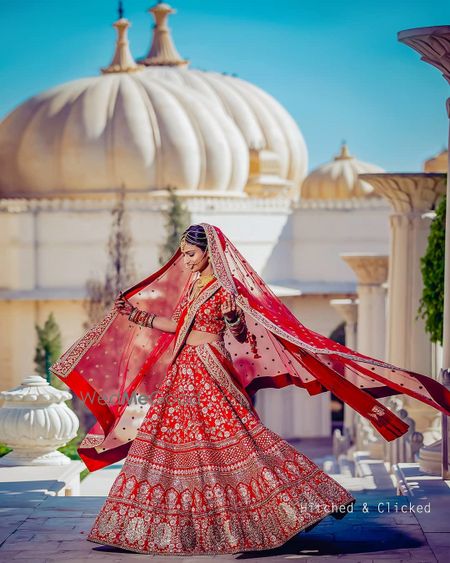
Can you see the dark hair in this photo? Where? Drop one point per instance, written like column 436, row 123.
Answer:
column 195, row 234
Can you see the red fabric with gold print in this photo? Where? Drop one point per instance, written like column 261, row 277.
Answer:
column 117, row 357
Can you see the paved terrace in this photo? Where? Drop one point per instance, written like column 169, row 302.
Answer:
column 38, row 526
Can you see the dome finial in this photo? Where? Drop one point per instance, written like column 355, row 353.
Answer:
column 344, row 154
column 123, row 59
column 162, row 51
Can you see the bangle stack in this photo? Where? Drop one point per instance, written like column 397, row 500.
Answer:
column 237, row 326
column 141, row 318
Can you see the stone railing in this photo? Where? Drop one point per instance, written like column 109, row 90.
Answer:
column 341, row 443
column 364, row 437
column 148, row 202
column 406, row 448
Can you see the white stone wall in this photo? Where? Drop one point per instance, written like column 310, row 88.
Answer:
column 323, row 230
column 49, row 248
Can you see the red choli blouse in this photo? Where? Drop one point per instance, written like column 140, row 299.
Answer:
column 209, row 316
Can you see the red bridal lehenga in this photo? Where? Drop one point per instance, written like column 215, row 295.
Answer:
column 202, row 474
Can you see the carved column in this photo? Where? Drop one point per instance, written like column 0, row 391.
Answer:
column 408, row 345
column 433, row 44
column 371, row 272
column 348, row 309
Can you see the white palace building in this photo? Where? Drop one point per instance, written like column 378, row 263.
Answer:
column 336, row 247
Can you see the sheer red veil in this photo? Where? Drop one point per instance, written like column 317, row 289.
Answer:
column 117, row 366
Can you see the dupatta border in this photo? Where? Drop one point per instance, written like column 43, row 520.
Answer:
column 269, row 325
column 219, row 373
column 223, row 273
column 218, row 259
column 69, row 360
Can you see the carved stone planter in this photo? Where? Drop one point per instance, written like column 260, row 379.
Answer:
column 35, row 421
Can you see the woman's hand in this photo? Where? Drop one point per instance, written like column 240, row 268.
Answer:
column 229, row 308
column 123, row 305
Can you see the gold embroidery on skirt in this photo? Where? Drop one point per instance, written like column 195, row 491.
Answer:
column 188, row 537
column 219, row 373
column 136, row 529
column 163, row 535
column 107, row 522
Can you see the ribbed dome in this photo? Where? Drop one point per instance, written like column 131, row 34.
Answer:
column 132, row 129
column 263, row 122
column 338, row 179
column 149, row 128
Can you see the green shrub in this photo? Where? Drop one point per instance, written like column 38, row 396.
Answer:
column 4, row 450
column 432, row 267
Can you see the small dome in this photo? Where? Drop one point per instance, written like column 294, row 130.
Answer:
column 338, row 179
column 438, row 163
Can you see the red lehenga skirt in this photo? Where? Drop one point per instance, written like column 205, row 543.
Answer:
column 205, row 476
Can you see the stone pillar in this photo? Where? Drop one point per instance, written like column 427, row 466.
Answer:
column 408, row 345
column 348, row 309
column 371, row 272
column 433, row 43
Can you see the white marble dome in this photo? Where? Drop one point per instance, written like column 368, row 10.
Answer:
column 133, row 129
column 262, row 121
column 338, row 179
column 150, row 128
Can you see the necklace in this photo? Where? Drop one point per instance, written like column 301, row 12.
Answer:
column 203, row 280
column 200, row 283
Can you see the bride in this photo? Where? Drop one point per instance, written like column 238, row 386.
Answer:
column 170, row 373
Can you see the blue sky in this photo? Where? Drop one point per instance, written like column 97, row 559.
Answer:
column 335, row 65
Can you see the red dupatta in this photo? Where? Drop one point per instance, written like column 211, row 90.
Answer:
column 117, row 357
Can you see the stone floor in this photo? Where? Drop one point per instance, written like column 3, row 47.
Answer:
column 54, row 529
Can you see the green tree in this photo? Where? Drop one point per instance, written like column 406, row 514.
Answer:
column 48, row 348
column 432, row 267
column 120, row 272
column 178, row 219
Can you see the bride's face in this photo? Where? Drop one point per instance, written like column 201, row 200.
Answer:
column 195, row 259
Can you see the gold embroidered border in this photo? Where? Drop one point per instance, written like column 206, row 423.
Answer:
column 251, row 463
column 219, row 373
column 68, row 361
column 218, row 258
column 225, row 442
column 92, row 440
column 243, row 303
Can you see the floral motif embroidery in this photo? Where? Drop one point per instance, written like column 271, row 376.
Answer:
column 199, row 300
column 376, row 411
column 205, row 476
column 220, row 373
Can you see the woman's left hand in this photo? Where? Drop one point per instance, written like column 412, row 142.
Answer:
column 229, row 307
column 123, row 305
